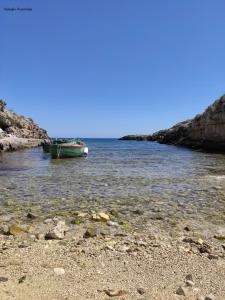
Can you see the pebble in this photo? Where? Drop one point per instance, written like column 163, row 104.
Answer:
column 210, row 297
column 189, row 283
column 189, row 277
column 141, row 291
column 200, row 298
column 22, row 279
column 59, row 271
column 189, row 280
column 115, row 293
column 181, row 291
column 3, row 279
column 113, row 224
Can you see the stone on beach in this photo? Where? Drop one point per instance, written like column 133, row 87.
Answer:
column 210, row 297
column 101, row 216
column 182, row 291
column 58, row 231
column 115, row 293
column 91, row 232
column 59, row 271
column 113, row 224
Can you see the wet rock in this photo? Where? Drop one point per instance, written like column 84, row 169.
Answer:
column 7, row 218
column 58, row 231
column 48, row 221
column 115, row 293
column 182, row 291
column 219, row 237
column 77, row 221
column 138, row 212
column 187, row 228
column 59, row 271
column 91, row 232
column 114, row 212
column 113, row 224
column 15, row 230
column 82, row 215
column 31, row 216
column 3, row 279
column 210, row 297
column 103, row 216
column 95, row 217
column 141, row 291
column 4, row 229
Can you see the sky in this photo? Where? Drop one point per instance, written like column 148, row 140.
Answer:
column 106, row 68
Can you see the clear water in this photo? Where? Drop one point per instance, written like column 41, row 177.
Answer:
column 125, row 174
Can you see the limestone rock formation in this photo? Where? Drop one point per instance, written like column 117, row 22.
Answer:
column 18, row 131
column 206, row 130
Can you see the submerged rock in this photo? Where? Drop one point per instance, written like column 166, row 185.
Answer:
column 91, row 232
column 15, row 230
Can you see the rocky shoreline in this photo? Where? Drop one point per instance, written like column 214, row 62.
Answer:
column 204, row 131
column 17, row 132
column 98, row 255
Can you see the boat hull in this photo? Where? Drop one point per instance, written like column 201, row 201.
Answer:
column 46, row 148
column 67, row 151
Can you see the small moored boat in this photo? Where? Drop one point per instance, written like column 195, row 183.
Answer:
column 72, row 148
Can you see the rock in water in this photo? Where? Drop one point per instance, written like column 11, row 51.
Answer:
column 103, row 216
column 15, row 230
column 90, row 233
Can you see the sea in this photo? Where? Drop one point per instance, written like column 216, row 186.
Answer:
column 160, row 181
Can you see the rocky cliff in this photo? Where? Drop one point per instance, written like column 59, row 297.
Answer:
column 206, row 130
column 18, row 131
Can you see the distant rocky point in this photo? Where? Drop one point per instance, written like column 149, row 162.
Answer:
column 206, row 130
column 134, row 137
column 18, row 132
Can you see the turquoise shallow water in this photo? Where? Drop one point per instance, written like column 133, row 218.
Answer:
column 129, row 174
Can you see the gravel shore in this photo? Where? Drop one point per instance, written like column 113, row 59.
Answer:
column 95, row 256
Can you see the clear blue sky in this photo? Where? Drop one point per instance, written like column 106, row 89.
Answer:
column 105, row 68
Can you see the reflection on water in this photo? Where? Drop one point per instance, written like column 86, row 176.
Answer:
column 126, row 174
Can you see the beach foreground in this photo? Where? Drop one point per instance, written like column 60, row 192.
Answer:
column 95, row 256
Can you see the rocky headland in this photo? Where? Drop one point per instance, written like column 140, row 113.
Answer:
column 17, row 132
column 206, row 130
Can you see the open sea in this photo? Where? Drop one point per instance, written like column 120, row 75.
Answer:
column 160, row 180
